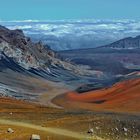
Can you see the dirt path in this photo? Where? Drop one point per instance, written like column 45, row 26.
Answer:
column 57, row 131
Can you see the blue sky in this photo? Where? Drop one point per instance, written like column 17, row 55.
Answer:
column 69, row 9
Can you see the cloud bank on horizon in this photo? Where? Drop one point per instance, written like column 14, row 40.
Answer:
column 74, row 34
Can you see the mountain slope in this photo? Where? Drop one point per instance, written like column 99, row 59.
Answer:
column 23, row 51
column 123, row 96
column 22, row 62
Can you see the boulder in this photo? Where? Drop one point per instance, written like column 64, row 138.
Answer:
column 35, row 137
column 10, row 130
column 90, row 131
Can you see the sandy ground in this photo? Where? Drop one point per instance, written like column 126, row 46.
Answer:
column 27, row 118
column 57, row 131
column 53, row 91
column 58, row 124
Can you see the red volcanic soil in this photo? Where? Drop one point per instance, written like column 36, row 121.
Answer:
column 121, row 97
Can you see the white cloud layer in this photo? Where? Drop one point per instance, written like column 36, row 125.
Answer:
column 96, row 32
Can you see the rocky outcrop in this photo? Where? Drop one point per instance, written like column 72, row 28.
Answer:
column 35, row 137
column 22, row 50
column 10, row 130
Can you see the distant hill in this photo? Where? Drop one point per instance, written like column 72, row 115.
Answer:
column 126, row 43
column 121, row 97
column 119, row 58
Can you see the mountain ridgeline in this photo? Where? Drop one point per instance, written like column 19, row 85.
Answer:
column 126, row 43
column 22, row 50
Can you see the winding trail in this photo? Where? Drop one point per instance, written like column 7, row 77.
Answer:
column 57, row 131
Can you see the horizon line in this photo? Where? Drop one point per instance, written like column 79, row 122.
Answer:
column 69, row 20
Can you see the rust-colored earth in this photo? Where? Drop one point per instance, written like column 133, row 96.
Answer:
column 62, row 124
column 121, row 97
column 50, row 123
